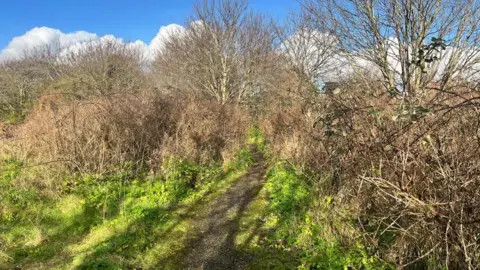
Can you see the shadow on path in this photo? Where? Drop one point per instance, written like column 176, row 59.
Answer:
column 213, row 245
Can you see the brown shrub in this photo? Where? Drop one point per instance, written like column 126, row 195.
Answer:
column 410, row 167
column 207, row 131
column 99, row 135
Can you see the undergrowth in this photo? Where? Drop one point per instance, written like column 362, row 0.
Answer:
column 302, row 226
column 117, row 221
column 292, row 214
column 256, row 138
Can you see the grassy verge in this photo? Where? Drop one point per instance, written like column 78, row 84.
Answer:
column 293, row 224
column 290, row 227
column 107, row 221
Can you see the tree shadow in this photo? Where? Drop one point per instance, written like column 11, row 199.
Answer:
column 155, row 227
column 51, row 250
column 216, row 248
column 209, row 242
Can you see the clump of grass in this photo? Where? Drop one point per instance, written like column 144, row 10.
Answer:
column 242, row 160
column 256, row 138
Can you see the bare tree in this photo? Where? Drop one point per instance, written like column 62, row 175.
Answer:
column 308, row 47
column 221, row 53
column 22, row 80
column 410, row 42
column 104, row 67
column 98, row 67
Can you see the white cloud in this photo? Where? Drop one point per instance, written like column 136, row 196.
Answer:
column 308, row 46
column 162, row 36
column 42, row 36
column 318, row 55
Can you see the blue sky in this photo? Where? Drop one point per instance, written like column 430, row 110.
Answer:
column 129, row 20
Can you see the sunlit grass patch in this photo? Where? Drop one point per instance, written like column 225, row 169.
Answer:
column 252, row 221
column 100, row 234
column 114, row 221
column 70, row 206
column 34, row 238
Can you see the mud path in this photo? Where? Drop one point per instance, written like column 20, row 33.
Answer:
column 213, row 244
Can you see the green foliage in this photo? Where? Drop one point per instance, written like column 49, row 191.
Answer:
column 115, row 221
column 289, row 194
column 429, row 53
column 243, row 159
column 14, row 200
column 330, row 255
column 12, row 117
column 181, row 177
column 322, row 250
column 291, row 205
column 409, row 113
column 256, row 137
column 10, row 169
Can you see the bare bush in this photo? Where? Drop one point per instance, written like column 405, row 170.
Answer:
column 411, row 170
column 207, row 132
column 104, row 67
column 95, row 68
column 408, row 164
column 309, row 49
column 23, row 80
column 98, row 135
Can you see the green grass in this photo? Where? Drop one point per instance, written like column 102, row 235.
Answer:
column 127, row 221
column 256, row 137
column 115, row 221
column 255, row 237
column 288, row 236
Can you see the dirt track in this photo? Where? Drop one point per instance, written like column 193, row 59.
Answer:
column 213, row 244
